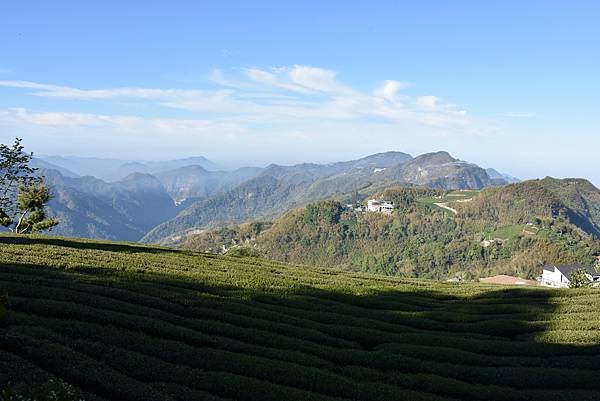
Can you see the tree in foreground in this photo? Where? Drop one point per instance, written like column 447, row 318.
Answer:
column 578, row 278
column 23, row 193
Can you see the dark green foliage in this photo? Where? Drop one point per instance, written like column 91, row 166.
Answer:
column 15, row 173
column 123, row 322
column 533, row 201
column 31, row 202
column 23, row 194
column 327, row 212
column 221, row 240
column 244, row 251
column 513, row 230
column 578, row 278
column 112, row 321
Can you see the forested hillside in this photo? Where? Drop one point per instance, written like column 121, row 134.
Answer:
column 92, row 321
column 514, row 229
column 281, row 188
column 92, row 208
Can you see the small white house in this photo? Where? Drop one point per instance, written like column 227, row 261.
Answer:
column 380, row 206
column 558, row 276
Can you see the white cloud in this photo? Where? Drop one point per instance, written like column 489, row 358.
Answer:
column 317, row 79
column 281, row 97
column 57, row 91
column 389, row 90
column 517, row 114
column 116, row 124
column 427, row 102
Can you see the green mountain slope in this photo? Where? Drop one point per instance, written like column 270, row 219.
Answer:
column 281, row 188
column 276, row 190
column 111, row 321
column 514, row 229
column 126, row 209
column 575, row 200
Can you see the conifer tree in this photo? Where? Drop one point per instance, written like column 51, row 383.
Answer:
column 23, row 193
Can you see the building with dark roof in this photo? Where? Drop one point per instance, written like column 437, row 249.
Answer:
column 557, row 276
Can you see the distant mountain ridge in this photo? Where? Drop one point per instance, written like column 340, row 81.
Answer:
column 115, row 169
column 124, row 210
column 45, row 165
column 195, row 181
column 440, row 170
column 280, row 188
column 198, row 197
column 496, row 175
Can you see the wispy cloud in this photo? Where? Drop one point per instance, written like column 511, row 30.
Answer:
column 243, row 110
column 282, row 93
column 517, row 114
column 118, row 123
column 58, row 91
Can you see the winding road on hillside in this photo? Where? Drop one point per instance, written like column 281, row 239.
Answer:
column 445, row 206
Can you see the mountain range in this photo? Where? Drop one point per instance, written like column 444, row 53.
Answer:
column 162, row 202
column 513, row 229
column 115, row 169
column 280, row 188
column 122, row 210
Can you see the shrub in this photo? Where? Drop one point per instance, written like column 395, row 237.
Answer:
column 578, row 278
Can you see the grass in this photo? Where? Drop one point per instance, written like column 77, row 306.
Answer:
column 512, row 232
column 128, row 322
column 449, row 199
column 507, row 232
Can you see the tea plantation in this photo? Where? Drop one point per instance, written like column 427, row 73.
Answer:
column 114, row 321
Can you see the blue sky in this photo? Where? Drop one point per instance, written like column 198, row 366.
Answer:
column 513, row 85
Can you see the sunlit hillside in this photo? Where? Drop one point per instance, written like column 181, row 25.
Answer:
column 117, row 321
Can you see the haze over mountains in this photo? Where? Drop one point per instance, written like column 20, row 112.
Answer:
column 160, row 201
column 115, row 169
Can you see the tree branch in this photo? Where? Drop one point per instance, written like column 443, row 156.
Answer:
column 20, row 221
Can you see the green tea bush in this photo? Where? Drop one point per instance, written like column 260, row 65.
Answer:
column 127, row 322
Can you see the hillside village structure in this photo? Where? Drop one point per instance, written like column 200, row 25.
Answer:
column 380, row 206
column 373, row 205
column 558, row 276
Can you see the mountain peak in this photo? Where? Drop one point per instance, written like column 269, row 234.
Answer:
column 440, row 157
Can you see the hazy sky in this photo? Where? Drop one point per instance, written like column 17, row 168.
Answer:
column 513, row 85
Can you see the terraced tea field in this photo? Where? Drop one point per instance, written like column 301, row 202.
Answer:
column 127, row 322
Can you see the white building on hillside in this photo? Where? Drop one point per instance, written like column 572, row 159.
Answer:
column 558, row 276
column 380, row 206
